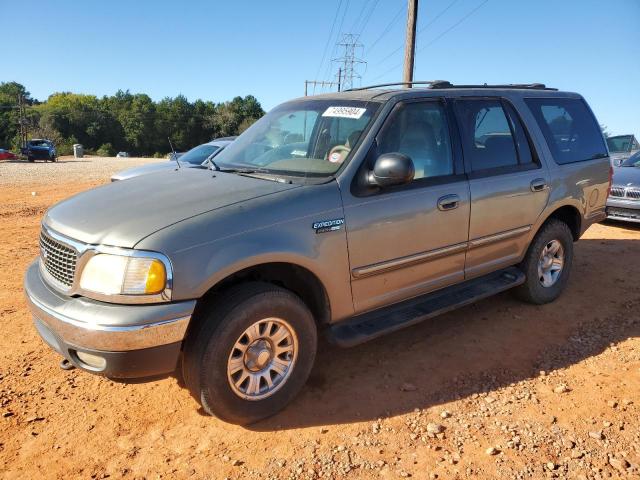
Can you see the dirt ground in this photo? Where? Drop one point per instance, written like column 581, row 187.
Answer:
column 499, row 389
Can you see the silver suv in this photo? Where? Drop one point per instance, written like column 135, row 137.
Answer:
column 352, row 215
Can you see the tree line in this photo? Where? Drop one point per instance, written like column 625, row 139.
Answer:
column 121, row 122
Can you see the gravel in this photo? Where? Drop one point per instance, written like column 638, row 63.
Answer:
column 87, row 169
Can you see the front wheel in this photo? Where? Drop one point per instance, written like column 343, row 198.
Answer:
column 547, row 264
column 252, row 353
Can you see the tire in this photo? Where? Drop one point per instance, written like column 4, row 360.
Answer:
column 534, row 289
column 209, row 351
column 31, row 159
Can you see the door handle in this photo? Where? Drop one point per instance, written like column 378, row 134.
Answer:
column 538, row 185
column 448, row 202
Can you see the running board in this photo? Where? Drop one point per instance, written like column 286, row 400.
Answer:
column 370, row 325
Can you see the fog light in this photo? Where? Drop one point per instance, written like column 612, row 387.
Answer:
column 93, row 361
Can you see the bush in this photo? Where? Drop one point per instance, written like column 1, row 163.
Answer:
column 159, row 155
column 106, row 150
column 65, row 147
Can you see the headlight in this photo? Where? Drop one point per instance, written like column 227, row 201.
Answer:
column 108, row 274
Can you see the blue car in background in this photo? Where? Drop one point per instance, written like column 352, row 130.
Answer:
column 40, row 149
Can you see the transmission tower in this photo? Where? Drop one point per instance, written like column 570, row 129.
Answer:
column 349, row 61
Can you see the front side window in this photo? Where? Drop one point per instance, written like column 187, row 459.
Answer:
column 307, row 138
column 420, row 131
column 571, row 130
column 487, row 136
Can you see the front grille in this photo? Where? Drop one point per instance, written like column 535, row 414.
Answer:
column 58, row 259
column 635, row 194
column 617, row 192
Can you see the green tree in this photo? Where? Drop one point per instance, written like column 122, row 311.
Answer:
column 123, row 121
column 10, row 92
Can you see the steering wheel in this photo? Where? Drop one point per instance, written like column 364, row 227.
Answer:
column 338, row 154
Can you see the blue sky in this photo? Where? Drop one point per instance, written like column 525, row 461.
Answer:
column 215, row 50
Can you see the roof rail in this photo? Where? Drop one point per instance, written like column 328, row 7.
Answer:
column 397, row 84
column 532, row 86
column 435, row 84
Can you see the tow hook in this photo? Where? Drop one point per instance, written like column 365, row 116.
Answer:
column 66, row 364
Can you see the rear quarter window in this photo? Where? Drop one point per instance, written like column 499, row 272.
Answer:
column 570, row 129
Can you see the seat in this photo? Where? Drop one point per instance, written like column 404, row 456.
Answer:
column 499, row 151
column 419, row 143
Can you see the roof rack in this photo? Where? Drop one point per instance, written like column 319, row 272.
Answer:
column 397, row 84
column 531, row 86
column 436, row 84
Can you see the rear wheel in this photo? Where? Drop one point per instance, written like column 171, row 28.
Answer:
column 547, row 264
column 31, row 159
column 252, row 353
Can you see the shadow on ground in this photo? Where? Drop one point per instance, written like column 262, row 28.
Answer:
column 479, row 348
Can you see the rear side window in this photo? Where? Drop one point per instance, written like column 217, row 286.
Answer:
column 487, row 137
column 571, row 130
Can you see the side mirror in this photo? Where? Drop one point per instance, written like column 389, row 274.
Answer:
column 391, row 169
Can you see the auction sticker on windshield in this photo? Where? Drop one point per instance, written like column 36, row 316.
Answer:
column 344, row 112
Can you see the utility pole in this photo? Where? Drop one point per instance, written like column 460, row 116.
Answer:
column 22, row 121
column 321, row 83
column 410, row 44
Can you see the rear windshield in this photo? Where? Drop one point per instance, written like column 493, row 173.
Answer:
column 199, row 154
column 571, row 130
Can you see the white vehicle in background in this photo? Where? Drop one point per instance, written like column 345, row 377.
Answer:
column 197, row 157
column 123, row 155
column 622, row 147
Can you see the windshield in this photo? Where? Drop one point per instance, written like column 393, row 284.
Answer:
column 39, row 143
column 620, row 144
column 305, row 138
column 632, row 161
column 199, row 154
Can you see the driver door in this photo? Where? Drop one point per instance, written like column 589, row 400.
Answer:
column 411, row 239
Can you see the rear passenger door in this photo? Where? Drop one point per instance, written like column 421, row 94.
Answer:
column 508, row 185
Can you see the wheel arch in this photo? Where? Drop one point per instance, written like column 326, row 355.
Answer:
column 568, row 214
column 290, row 276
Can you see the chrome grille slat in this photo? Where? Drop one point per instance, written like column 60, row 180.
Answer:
column 617, row 192
column 58, row 259
column 635, row 194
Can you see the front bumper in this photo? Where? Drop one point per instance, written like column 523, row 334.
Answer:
column 623, row 209
column 39, row 154
column 134, row 340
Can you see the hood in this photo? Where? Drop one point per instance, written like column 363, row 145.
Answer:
column 123, row 213
column 626, row 177
column 150, row 168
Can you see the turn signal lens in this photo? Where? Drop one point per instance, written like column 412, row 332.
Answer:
column 144, row 276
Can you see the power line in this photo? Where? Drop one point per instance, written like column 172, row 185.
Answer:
column 364, row 7
column 438, row 37
column 366, row 21
column 387, row 29
column 339, row 31
column 326, row 46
